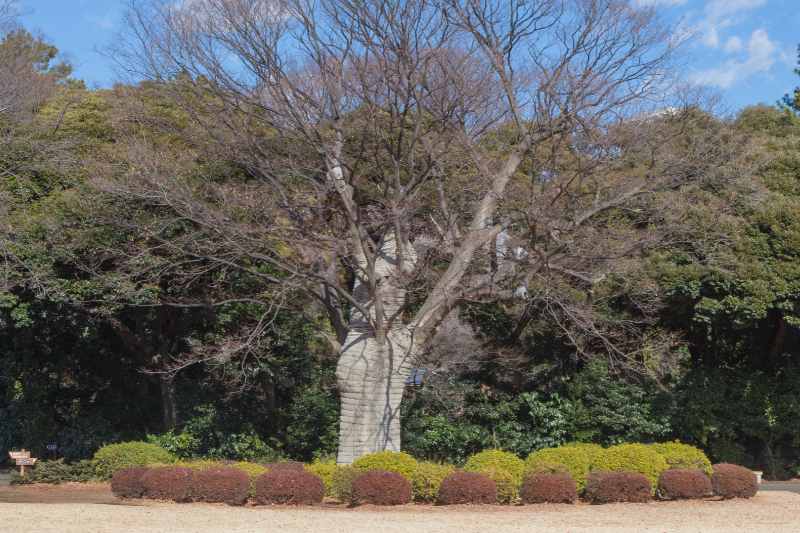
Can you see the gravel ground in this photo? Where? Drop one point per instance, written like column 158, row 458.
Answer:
column 767, row 512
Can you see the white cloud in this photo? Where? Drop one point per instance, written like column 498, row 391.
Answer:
column 721, row 14
column 762, row 53
column 733, row 45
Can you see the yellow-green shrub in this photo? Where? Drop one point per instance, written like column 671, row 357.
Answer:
column 639, row 458
column 200, row 464
column 398, row 462
column 251, row 469
column 325, row 470
column 576, row 458
column 113, row 457
column 505, row 468
column 342, row 482
column 428, row 478
column 679, row 455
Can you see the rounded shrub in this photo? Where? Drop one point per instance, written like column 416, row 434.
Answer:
column 221, row 485
column 467, row 488
column 577, row 458
column 113, row 457
column 127, row 483
column 733, row 481
column 683, row 456
column 289, row 486
column 381, row 487
column 398, row 462
column 325, row 471
column 609, row 487
column 683, row 484
column 632, row 458
column 427, row 479
column 169, row 483
column 505, row 468
column 549, row 488
column 342, row 483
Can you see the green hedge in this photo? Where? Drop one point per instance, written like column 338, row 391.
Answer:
column 576, row 459
column 639, row 458
column 398, row 462
column 113, row 457
column 505, row 468
column 679, row 455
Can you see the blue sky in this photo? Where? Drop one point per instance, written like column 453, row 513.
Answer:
column 746, row 49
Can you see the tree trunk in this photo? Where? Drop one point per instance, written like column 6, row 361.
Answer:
column 169, row 416
column 375, row 363
column 371, row 382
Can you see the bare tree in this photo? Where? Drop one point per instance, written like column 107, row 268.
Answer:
column 404, row 157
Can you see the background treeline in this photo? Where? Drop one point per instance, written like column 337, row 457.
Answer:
column 102, row 338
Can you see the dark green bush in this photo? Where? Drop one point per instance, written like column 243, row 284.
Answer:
column 58, row 471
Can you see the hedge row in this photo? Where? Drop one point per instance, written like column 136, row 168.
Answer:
column 291, row 485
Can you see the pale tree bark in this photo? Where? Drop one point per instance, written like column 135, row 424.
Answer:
column 375, row 362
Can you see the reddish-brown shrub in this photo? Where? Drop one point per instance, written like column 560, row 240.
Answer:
column 549, row 488
column 467, row 487
column 221, row 485
column 168, row 483
column 127, row 483
column 683, row 484
column 296, row 487
column 380, row 487
column 608, row 487
column 733, row 481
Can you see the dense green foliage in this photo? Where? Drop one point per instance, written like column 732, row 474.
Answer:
column 93, row 315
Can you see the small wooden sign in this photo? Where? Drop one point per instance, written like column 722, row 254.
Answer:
column 22, row 454
column 23, row 459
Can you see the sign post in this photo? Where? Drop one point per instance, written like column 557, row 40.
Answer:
column 22, row 458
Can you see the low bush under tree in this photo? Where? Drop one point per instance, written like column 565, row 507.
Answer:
column 505, row 468
column 289, row 486
column 683, row 484
column 427, row 480
column 467, row 488
column 221, row 485
column 127, row 483
column 632, row 458
column 549, row 488
column 380, row 487
column 683, row 456
column 169, row 483
column 398, row 462
column 733, row 481
column 113, row 457
column 576, row 458
column 609, row 487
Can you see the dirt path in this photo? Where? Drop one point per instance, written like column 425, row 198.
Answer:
column 91, row 509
